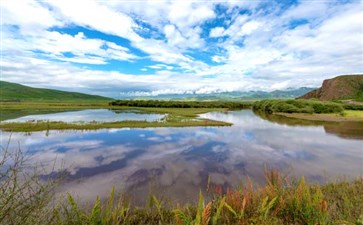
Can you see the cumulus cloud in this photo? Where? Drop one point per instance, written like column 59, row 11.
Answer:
column 217, row 32
column 176, row 47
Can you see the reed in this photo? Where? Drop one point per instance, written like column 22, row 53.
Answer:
column 279, row 201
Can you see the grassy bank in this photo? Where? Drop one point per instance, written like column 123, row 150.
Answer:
column 42, row 126
column 280, row 201
column 183, row 104
column 297, row 106
column 311, row 110
column 347, row 115
column 183, row 117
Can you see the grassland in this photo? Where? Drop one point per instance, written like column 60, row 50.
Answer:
column 347, row 115
column 12, row 92
column 41, row 126
column 54, row 105
column 311, row 110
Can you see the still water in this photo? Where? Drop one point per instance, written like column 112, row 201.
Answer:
column 176, row 162
column 89, row 115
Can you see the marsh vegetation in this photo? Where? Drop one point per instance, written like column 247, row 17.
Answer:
column 26, row 199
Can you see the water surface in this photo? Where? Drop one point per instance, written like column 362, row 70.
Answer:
column 177, row 162
column 90, row 115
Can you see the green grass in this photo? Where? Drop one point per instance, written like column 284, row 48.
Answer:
column 42, row 126
column 183, row 104
column 346, row 115
column 353, row 114
column 185, row 112
column 16, row 92
column 297, row 106
column 177, row 117
column 311, row 110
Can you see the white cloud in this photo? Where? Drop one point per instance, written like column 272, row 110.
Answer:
column 263, row 49
column 173, row 35
column 30, row 15
column 82, row 49
column 217, row 32
column 161, row 66
column 218, row 58
column 93, row 14
column 249, row 27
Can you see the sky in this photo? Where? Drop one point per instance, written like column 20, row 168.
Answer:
column 147, row 48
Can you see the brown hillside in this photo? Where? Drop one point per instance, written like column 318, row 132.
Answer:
column 341, row 87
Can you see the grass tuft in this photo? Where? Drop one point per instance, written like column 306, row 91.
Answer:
column 26, row 200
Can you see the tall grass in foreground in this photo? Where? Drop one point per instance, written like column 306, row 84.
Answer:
column 24, row 198
column 279, row 201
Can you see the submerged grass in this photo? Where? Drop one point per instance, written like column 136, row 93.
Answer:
column 43, row 126
column 176, row 117
column 280, row 201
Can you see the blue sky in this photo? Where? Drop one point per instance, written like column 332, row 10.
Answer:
column 146, row 48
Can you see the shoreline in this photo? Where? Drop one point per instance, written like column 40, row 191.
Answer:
column 177, row 117
column 44, row 126
column 350, row 116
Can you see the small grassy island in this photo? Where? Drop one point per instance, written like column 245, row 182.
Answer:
column 185, row 117
column 178, row 114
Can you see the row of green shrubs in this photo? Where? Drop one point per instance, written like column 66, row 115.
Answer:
column 352, row 106
column 182, row 104
column 297, row 106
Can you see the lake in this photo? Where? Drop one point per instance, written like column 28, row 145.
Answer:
column 89, row 115
column 177, row 162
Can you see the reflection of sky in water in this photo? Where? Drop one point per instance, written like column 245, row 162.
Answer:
column 89, row 115
column 179, row 160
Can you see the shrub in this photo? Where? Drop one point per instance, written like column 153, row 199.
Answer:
column 297, row 106
column 24, row 198
column 353, row 107
column 182, row 104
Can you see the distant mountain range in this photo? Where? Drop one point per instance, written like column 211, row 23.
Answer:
column 339, row 88
column 230, row 96
column 17, row 92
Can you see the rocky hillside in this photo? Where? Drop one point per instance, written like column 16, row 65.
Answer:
column 341, row 87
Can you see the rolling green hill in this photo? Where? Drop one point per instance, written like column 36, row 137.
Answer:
column 17, row 92
column 339, row 88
